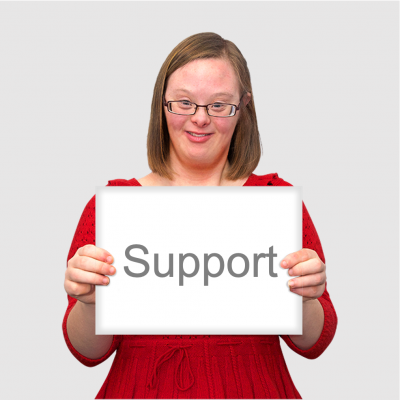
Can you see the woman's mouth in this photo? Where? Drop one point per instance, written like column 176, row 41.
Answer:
column 198, row 137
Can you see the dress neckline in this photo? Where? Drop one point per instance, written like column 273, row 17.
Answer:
column 247, row 183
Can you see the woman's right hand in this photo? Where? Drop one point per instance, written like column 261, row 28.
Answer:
column 86, row 269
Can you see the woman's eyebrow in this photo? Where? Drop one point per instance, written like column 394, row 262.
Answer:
column 226, row 94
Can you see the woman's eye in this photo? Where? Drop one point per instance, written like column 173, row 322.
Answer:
column 186, row 103
column 218, row 106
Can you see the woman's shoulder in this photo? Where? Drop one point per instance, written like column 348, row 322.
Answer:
column 148, row 180
column 272, row 179
column 124, row 182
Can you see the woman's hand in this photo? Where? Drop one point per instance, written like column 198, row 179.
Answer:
column 310, row 270
column 86, row 269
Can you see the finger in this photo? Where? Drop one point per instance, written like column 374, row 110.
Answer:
column 92, row 265
column 97, row 253
column 308, row 280
column 312, row 292
column 312, row 266
column 75, row 289
column 299, row 256
column 81, row 276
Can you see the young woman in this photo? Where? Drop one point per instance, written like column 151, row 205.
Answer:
column 203, row 131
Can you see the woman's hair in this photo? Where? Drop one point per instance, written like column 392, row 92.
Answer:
column 245, row 147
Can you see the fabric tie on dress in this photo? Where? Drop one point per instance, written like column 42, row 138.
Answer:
column 166, row 356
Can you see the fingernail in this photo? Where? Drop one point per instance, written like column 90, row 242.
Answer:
column 112, row 270
column 105, row 280
column 109, row 259
column 291, row 284
column 284, row 264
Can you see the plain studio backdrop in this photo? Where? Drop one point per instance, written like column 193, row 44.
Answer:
column 76, row 83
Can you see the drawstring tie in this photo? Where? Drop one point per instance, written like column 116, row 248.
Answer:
column 166, row 356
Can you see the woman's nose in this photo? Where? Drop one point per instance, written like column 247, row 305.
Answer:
column 201, row 118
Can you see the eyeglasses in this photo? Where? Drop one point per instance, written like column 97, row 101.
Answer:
column 186, row 107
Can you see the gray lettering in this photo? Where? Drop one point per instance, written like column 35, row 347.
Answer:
column 207, row 273
column 170, row 271
column 138, row 260
column 270, row 255
column 246, row 267
column 182, row 272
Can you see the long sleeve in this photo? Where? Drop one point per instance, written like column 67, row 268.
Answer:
column 311, row 241
column 85, row 234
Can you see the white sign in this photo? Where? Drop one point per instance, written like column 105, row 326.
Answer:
column 198, row 260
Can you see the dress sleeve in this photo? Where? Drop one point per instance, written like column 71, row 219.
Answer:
column 311, row 241
column 85, row 234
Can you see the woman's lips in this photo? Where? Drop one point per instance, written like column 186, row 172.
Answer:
column 199, row 139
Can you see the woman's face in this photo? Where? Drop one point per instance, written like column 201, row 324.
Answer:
column 203, row 82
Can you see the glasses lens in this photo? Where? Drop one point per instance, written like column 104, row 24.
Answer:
column 182, row 107
column 221, row 110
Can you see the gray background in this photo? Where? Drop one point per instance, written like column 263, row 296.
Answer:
column 76, row 82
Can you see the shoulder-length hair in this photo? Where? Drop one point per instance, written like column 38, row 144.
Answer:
column 245, row 147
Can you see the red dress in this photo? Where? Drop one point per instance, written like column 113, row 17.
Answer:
column 203, row 366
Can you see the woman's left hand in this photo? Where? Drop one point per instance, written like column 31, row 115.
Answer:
column 310, row 272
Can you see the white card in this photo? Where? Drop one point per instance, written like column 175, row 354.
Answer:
column 224, row 291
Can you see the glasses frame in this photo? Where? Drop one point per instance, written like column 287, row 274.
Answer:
column 237, row 107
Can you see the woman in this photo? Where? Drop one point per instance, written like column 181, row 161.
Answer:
column 203, row 131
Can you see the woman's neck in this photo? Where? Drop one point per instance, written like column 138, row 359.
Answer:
column 194, row 176
column 198, row 174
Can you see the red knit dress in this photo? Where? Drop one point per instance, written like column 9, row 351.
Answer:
column 203, row 366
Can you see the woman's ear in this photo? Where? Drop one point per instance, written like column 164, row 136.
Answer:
column 246, row 99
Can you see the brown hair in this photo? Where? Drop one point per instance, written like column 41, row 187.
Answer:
column 245, row 147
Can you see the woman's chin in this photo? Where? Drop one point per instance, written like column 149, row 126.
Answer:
column 199, row 158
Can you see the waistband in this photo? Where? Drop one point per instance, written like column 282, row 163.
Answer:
column 243, row 343
column 161, row 348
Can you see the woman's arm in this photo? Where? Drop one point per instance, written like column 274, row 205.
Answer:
column 313, row 322
column 79, row 319
column 327, row 334
column 319, row 316
column 81, row 332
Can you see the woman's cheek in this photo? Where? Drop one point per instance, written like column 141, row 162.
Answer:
column 226, row 127
column 175, row 124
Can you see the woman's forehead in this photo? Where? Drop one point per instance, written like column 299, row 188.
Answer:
column 211, row 75
column 226, row 94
